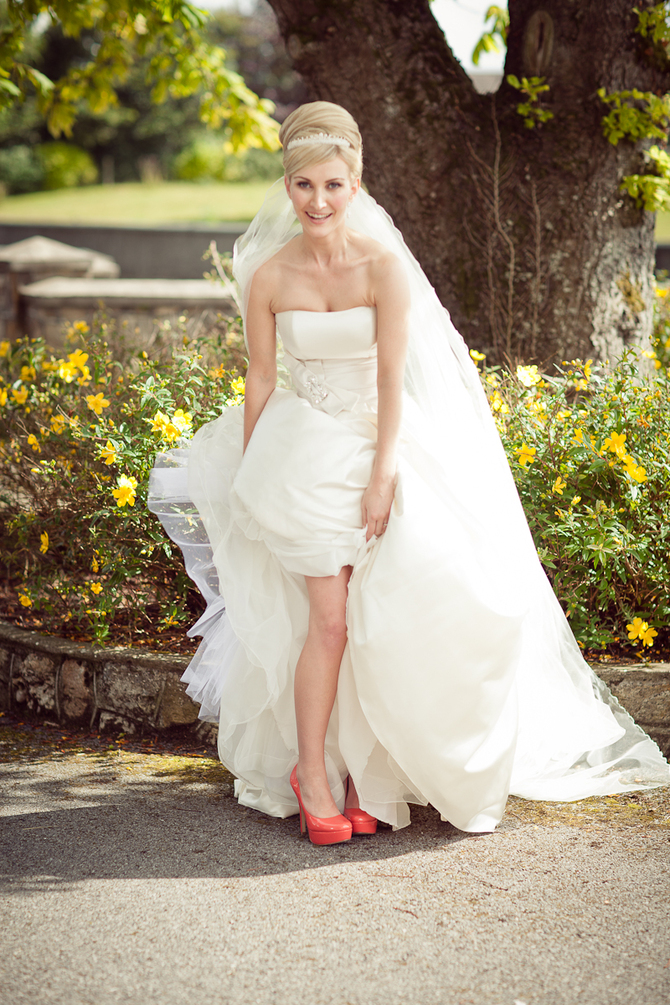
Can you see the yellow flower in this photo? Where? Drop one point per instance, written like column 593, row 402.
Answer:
column 95, row 565
column 171, row 432
column 96, row 402
column 528, row 375
column 20, row 395
column 44, row 546
column 81, row 326
column 125, row 493
column 25, row 600
column 526, row 454
column 28, row 373
column 558, row 486
column 498, row 405
column 562, row 415
column 66, row 371
column 237, row 385
column 575, row 500
column 617, row 444
column 477, row 356
column 96, row 588
column 4, row 348
column 579, row 437
column 647, row 637
column 58, row 423
column 108, row 453
column 85, row 376
column 635, row 471
column 492, row 379
column 34, row 443
column 3, row 396
column 78, row 358
column 182, row 420
column 637, row 629
column 158, row 423
column 649, row 353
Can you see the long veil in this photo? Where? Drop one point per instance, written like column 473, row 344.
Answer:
column 574, row 738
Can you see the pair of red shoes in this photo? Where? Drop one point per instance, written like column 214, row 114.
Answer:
column 332, row 830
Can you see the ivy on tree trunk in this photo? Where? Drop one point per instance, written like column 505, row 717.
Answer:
column 524, row 232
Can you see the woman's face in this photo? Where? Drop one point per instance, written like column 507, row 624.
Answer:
column 320, row 195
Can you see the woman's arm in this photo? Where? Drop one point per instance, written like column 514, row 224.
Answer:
column 391, row 294
column 261, row 378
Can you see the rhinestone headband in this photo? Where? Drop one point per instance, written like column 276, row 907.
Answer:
column 335, row 141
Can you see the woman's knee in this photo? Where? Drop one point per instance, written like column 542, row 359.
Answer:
column 331, row 629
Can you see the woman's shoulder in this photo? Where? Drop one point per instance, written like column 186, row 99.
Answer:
column 272, row 275
column 379, row 258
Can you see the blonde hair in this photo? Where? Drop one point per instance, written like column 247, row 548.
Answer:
column 315, row 119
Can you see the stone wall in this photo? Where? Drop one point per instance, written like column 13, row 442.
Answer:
column 170, row 252
column 109, row 689
column 136, row 305
column 137, row 692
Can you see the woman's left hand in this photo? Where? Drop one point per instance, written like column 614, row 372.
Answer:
column 377, row 502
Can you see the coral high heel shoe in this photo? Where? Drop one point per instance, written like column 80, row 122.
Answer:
column 361, row 822
column 328, row 830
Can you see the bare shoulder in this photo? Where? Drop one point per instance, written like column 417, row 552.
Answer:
column 380, row 261
column 271, row 276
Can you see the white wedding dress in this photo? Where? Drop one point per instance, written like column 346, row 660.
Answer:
column 455, row 688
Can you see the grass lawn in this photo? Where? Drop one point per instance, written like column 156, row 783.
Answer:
column 138, row 203
column 663, row 228
column 165, row 202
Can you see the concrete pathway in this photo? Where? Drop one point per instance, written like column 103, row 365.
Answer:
column 135, row 878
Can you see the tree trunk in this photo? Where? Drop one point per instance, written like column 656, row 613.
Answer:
column 523, row 232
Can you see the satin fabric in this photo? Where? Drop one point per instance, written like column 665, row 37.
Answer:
column 441, row 696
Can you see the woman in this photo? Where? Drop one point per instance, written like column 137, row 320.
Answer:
column 388, row 625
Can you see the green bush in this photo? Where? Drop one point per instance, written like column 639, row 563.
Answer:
column 21, row 170
column 66, row 166
column 78, row 436
column 588, row 447
column 206, row 160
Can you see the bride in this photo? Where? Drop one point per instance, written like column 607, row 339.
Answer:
column 379, row 629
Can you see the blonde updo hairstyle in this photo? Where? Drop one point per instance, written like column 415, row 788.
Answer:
column 313, row 119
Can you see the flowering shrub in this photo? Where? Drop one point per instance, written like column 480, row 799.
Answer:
column 588, row 447
column 78, row 436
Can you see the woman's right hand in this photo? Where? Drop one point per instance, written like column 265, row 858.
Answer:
column 376, row 505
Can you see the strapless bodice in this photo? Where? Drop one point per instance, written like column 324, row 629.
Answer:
column 350, row 334
column 332, row 357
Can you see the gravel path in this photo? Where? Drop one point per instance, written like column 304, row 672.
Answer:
column 135, row 878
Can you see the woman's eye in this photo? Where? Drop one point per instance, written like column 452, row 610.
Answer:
column 335, row 184
column 303, row 184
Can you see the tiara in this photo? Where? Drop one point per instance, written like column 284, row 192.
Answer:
column 335, row 141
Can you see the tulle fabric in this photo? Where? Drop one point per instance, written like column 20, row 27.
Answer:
column 461, row 680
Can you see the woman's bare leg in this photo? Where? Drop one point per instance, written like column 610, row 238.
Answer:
column 315, row 686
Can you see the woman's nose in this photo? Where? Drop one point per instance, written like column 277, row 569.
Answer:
column 318, row 197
